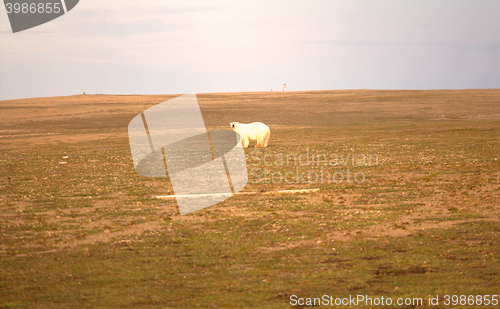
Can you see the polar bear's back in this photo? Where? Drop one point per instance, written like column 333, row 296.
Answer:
column 258, row 126
column 254, row 129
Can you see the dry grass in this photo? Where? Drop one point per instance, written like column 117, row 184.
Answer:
column 78, row 227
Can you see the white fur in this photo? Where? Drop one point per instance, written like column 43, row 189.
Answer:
column 255, row 131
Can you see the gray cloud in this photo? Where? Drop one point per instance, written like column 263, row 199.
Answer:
column 171, row 47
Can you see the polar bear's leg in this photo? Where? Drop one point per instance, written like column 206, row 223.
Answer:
column 245, row 141
column 259, row 141
column 266, row 139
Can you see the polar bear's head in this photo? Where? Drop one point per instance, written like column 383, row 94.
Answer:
column 235, row 126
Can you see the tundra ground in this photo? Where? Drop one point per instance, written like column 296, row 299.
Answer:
column 80, row 229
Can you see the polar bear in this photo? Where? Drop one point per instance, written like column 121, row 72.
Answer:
column 255, row 131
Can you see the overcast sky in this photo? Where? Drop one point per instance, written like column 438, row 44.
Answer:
column 176, row 47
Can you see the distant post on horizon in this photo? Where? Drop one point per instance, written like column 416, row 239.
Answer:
column 283, row 88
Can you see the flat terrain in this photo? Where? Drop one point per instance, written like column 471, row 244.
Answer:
column 408, row 203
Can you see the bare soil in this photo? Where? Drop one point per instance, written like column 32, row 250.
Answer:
column 68, row 189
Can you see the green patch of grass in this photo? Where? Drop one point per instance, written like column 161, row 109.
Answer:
column 228, row 264
column 88, row 234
